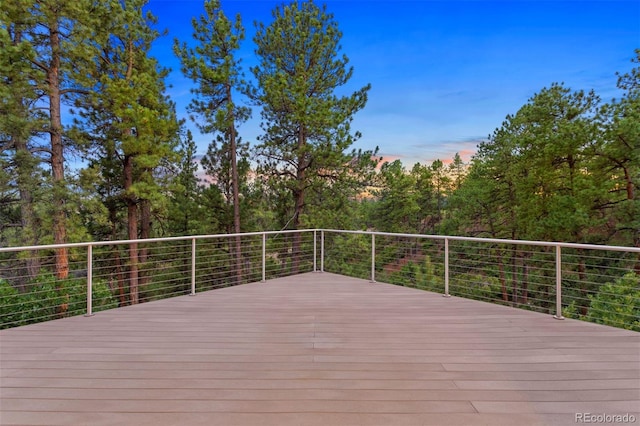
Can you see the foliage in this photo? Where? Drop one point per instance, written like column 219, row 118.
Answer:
column 186, row 206
column 618, row 153
column 46, row 295
column 617, row 303
column 396, row 209
column 410, row 201
column 535, row 171
column 213, row 66
column 348, row 254
column 306, row 125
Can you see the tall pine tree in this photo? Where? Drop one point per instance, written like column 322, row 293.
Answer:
column 130, row 123
column 306, row 124
column 214, row 67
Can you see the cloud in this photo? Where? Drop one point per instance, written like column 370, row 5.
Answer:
column 445, row 150
column 388, row 159
column 465, row 154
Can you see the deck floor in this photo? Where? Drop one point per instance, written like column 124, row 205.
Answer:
column 316, row 349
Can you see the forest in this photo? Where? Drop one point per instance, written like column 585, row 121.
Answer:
column 79, row 82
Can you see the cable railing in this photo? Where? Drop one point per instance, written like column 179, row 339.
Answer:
column 595, row 283
column 589, row 282
column 110, row 274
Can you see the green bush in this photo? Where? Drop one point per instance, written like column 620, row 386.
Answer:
column 49, row 299
column 617, row 304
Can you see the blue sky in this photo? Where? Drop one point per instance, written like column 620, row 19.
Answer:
column 444, row 74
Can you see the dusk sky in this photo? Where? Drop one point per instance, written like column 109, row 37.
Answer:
column 444, row 74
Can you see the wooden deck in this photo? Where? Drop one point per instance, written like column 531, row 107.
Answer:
column 316, row 349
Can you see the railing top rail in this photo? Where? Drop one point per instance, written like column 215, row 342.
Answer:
column 495, row 240
column 149, row 240
column 390, row 234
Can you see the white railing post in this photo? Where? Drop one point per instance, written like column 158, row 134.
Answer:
column 558, row 314
column 446, row 268
column 264, row 257
column 373, row 258
column 322, row 251
column 315, row 237
column 89, row 280
column 193, row 267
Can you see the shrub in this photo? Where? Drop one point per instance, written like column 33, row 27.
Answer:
column 617, row 304
column 49, row 299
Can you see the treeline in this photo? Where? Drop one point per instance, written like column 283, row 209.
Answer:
column 79, row 83
column 565, row 167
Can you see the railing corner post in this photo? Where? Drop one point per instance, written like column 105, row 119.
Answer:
column 322, row 250
column 315, row 250
column 558, row 314
column 89, row 281
column 373, row 258
column 264, row 257
column 446, row 268
column 193, row 267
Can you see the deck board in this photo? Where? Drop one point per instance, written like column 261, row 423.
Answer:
column 316, row 349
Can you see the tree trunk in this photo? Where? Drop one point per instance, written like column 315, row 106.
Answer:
column 145, row 232
column 236, row 190
column 57, row 154
column 297, row 236
column 132, row 229
column 122, row 296
column 117, row 261
column 298, row 195
column 57, row 165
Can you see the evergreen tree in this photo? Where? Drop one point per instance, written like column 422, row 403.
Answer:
column 426, row 198
column 442, row 185
column 618, row 157
column 397, row 208
column 131, row 124
column 185, row 213
column 49, row 35
column 457, row 171
column 306, row 125
column 19, row 123
column 212, row 64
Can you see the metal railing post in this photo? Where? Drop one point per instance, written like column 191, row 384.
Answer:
column 89, row 280
column 373, row 258
column 446, row 268
column 315, row 237
column 264, row 257
column 321, row 251
column 193, row 267
column 558, row 314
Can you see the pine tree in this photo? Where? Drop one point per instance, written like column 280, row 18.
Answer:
column 618, row 154
column 19, row 122
column 212, row 64
column 130, row 123
column 306, row 124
